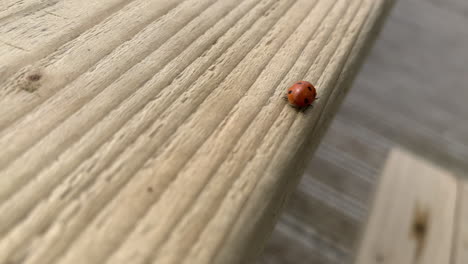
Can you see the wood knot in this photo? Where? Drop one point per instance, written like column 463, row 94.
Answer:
column 419, row 228
column 29, row 80
column 34, row 77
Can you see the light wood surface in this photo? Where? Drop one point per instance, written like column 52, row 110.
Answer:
column 412, row 220
column 461, row 226
column 154, row 131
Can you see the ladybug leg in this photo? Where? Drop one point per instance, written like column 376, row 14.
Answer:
column 304, row 109
column 285, row 97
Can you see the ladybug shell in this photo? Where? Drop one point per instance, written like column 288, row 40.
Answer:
column 302, row 94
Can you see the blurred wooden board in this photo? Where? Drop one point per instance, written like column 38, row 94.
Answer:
column 154, row 131
column 293, row 231
column 406, row 97
column 412, row 219
column 461, row 226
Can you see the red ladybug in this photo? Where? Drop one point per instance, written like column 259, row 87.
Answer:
column 301, row 94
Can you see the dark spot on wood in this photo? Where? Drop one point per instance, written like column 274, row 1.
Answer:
column 419, row 229
column 150, row 189
column 44, row 29
column 290, row 91
column 34, row 77
column 29, row 79
column 306, row 101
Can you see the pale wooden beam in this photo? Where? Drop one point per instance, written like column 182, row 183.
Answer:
column 154, row 131
column 461, row 226
column 412, row 219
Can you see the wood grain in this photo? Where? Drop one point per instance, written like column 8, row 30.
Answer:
column 154, row 131
column 36, row 29
column 460, row 247
column 412, row 219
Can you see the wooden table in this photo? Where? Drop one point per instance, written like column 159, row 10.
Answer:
column 154, row 131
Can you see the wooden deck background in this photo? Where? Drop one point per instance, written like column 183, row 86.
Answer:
column 411, row 92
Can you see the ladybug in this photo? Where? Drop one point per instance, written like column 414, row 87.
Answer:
column 301, row 95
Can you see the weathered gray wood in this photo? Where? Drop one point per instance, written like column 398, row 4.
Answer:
column 409, row 98
column 315, row 248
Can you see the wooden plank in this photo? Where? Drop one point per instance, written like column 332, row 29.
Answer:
column 335, row 216
column 461, row 228
column 368, row 148
column 13, row 8
column 413, row 214
column 295, row 242
column 329, row 223
column 101, row 63
column 331, row 166
column 394, row 67
column 295, row 130
column 329, row 202
column 147, row 147
column 39, row 29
